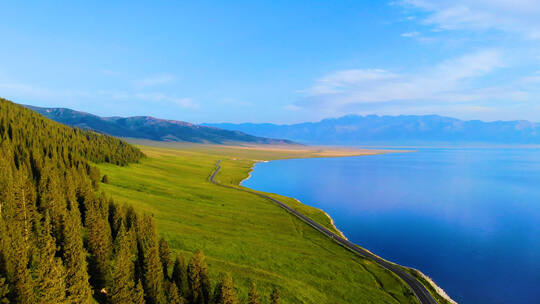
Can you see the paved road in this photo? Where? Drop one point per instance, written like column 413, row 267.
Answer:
column 419, row 290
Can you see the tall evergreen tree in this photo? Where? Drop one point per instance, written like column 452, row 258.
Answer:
column 179, row 275
column 139, row 294
column 116, row 218
column 24, row 203
column 165, row 257
column 74, row 256
column 253, row 295
column 224, row 292
column 198, row 279
column 173, row 295
column 99, row 245
column 122, row 286
column 152, row 267
column 49, row 273
column 18, row 214
column 51, row 198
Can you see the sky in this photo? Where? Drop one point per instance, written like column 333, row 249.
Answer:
column 274, row 61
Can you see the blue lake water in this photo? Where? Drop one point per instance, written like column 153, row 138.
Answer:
column 468, row 218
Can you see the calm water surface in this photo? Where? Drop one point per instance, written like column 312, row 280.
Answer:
column 468, row 218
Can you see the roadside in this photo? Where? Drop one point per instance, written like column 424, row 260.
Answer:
column 434, row 290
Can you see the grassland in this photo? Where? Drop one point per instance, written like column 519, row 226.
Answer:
column 244, row 235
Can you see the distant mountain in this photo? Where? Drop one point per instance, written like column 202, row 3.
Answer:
column 152, row 128
column 396, row 130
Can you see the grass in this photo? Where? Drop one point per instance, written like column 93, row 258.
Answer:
column 243, row 234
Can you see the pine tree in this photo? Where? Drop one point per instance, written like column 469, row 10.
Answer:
column 116, row 218
column 179, row 274
column 173, row 296
column 165, row 257
column 74, row 256
column 18, row 216
column 49, row 273
column 274, row 297
column 253, row 295
column 152, row 267
column 122, row 289
column 18, row 272
column 24, row 207
column 51, row 197
column 198, row 279
column 224, row 292
column 99, row 246
column 139, row 294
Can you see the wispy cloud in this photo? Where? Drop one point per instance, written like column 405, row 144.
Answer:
column 155, row 80
column 517, row 16
column 448, row 81
column 410, row 34
column 292, row 107
column 234, row 102
column 531, row 79
column 419, row 37
column 154, row 97
column 26, row 93
column 10, row 89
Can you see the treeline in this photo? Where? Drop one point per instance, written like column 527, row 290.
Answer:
column 62, row 241
column 31, row 133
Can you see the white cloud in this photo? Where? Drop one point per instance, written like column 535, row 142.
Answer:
column 292, row 107
column 185, row 102
column 410, row 34
column 157, row 97
column 340, row 81
column 155, row 80
column 26, row 93
column 532, row 79
column 517, row 16
column 22, row 92
column 235, row 102
column 448, row 81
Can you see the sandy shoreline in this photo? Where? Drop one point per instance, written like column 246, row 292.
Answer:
column 439, row 290
column 333, row 224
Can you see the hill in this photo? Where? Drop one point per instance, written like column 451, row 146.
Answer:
column 147, row 127
column 64, row 241
column 396, row 130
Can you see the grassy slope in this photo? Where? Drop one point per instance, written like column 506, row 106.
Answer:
column 245, row 235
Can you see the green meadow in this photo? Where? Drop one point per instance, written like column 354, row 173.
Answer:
column 244, row 235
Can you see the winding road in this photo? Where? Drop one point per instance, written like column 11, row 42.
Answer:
column 419, row 290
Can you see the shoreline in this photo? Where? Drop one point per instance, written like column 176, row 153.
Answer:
column 331, row 222
column 326, row 213
column 437, row 288
column 430, row 281
column 251, row 170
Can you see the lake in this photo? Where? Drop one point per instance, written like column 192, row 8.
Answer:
column 468, row 218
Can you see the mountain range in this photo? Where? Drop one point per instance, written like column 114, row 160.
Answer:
column 346, row 130
column 396, row 130
column 147, row 127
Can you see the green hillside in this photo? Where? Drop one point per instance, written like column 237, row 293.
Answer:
column 244, row 235
column 63, row 241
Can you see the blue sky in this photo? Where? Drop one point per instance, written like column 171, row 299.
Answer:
column 274, row 61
